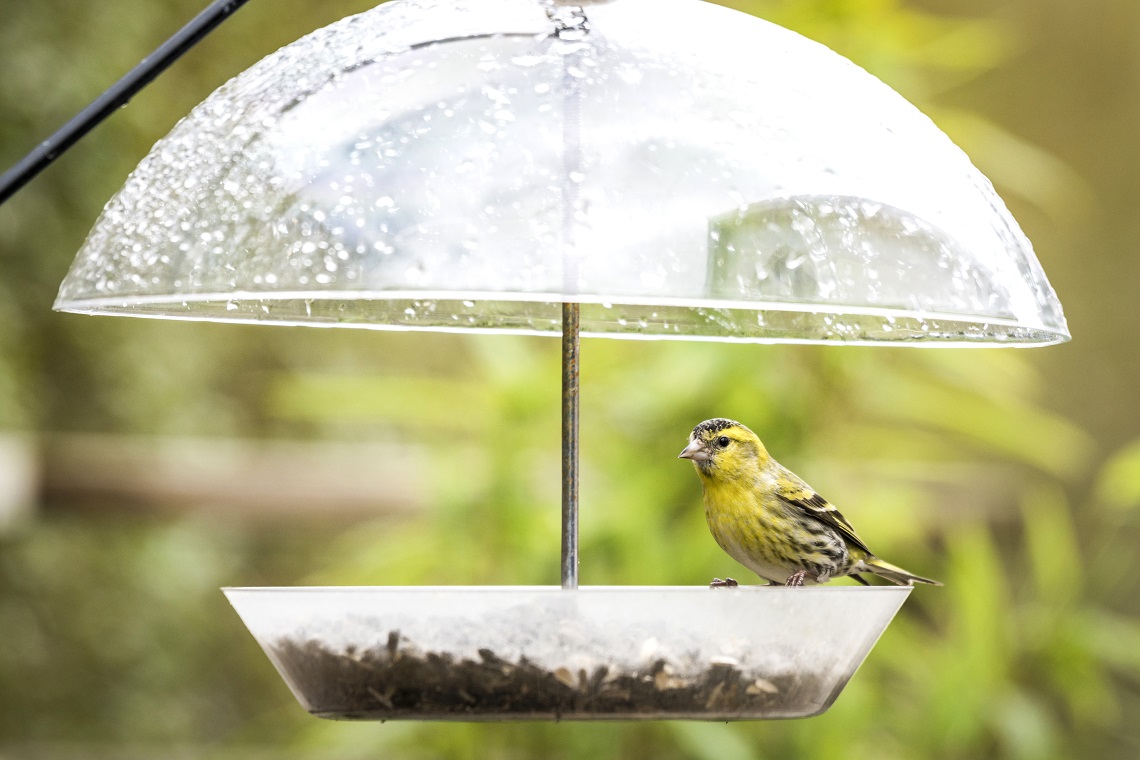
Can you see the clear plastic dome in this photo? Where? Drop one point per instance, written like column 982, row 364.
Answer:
column 680, row 169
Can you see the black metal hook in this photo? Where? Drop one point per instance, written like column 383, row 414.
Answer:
column 116, row 96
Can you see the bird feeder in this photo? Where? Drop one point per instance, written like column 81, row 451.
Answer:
column 648, row 169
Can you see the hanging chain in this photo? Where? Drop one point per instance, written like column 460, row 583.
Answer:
column 570, row 22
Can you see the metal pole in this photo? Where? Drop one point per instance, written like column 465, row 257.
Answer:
column 116, row 96
column 570, row 26
column 570, row 346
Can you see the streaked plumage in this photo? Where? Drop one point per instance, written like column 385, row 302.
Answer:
column 769, row 520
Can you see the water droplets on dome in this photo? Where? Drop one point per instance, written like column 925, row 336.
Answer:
column 416, row 153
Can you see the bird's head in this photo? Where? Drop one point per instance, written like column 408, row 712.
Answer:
column 723, row 448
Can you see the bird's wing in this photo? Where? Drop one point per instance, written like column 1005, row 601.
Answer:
column 799, row 494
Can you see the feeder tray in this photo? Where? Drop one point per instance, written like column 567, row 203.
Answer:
column 484, row 653
column 631, row 169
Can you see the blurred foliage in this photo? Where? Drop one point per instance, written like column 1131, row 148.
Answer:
column 959, row 465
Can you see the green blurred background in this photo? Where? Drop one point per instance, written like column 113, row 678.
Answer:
column 143, row 464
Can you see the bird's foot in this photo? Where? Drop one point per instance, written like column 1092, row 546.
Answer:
column 726, row 583
column 796, row 578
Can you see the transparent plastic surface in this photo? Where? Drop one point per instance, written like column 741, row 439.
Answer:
column 490, row 653
column 681, row 169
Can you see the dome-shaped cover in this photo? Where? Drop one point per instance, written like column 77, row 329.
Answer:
column 680, row 169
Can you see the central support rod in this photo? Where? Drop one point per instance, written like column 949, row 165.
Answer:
column 571, row 27
column 570, row 349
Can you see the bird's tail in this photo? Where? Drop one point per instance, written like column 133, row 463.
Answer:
column 895, row 574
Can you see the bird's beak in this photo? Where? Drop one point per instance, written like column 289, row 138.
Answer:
column 695, row 451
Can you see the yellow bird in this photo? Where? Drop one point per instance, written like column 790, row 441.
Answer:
column 769, row 520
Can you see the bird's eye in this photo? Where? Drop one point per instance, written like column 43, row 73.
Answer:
column 723, row 441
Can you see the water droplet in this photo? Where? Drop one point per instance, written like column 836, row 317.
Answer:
column 631, row 75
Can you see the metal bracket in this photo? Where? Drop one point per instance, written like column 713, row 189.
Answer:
column 116, row 96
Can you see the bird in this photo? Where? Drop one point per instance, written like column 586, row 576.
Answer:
column 772, row 522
